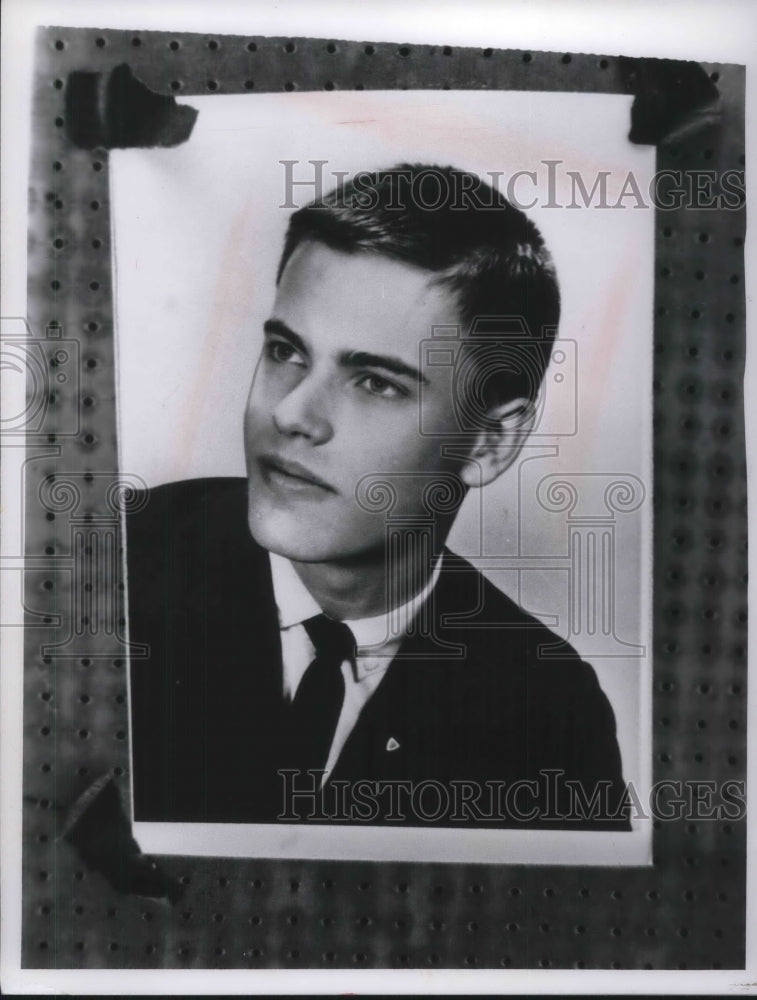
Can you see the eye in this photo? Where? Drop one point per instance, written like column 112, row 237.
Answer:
column 377, row 385
column 281, row 352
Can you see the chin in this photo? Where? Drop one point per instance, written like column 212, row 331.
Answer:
column 302, row 542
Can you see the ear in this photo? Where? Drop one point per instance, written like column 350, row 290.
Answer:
column 497, row 446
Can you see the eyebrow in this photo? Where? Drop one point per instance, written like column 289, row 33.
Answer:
column 350, row 359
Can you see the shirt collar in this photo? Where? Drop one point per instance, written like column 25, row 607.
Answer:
column 295, row 604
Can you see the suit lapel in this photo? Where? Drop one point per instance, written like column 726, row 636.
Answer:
column 405, row 729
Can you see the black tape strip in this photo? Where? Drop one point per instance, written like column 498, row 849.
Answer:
column 100, row 831
column 117, row 111
column 672, row 98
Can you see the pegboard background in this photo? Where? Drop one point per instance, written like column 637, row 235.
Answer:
column 688, row 910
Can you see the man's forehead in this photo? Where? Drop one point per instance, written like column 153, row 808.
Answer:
column 359, row 296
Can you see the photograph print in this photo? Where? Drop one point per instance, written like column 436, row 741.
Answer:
column 384, row 379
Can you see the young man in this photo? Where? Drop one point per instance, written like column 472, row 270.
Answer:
column 314, row 650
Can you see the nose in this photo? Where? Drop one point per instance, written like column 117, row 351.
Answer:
column 303, row 412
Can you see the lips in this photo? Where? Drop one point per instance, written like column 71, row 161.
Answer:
column 291, row 475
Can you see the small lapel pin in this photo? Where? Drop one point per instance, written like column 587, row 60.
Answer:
column 392, row 744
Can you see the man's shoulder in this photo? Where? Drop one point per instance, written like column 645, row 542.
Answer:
column 197, row 523
column 188, row 500
column 472, row 604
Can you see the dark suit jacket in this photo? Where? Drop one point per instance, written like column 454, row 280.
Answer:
column 209, row 724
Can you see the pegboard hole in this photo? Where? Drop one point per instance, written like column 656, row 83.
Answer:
column 331, row 48
column 212, row 85
column 369, row 50
column 290, row 47
column 60, row 44
column 175, row 85
column 213, row 45
column 174, row 45
column 404, row 51
column 487, row 53
column 249, row 84
column 136, row 41
column 527, row 57
column 604, row 63
column 567, row 58
column 100, row 43
column 252, row 47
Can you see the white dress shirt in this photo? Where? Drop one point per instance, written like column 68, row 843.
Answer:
column 377, row 640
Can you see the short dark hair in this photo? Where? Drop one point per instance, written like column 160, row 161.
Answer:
column 482, row 248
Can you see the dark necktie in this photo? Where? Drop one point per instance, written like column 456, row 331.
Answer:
column 319, row 697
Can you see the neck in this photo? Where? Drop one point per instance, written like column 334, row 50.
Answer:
column 369, row 586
